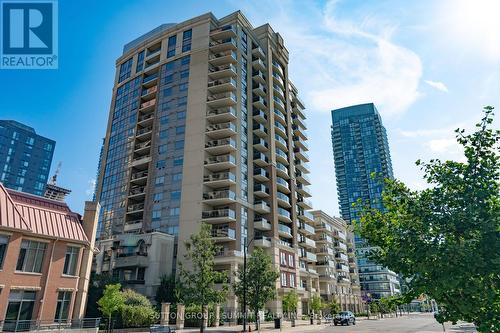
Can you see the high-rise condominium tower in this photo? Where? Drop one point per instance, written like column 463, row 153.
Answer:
column 25, row 158
column 360, row 149
column 205, row 126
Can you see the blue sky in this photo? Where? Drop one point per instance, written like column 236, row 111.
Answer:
column 430, row 66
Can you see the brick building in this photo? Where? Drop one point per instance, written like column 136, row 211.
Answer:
column 45, row 259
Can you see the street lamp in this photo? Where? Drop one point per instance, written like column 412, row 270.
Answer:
column 245, row 249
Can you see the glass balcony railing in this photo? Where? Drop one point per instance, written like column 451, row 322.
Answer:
column 220, row 176
column 218, row 213
column 223, row 194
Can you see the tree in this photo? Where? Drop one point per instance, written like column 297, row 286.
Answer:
column 316, row 305
column 445, row 239
column 199, row 281
column 111, row 301
column 289, row 303
column 166, row 290
column 333, row 307
column 137, row 310
column 260, row 282
column 96, row 288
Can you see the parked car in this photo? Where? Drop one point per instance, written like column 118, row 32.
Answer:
column 344, row 318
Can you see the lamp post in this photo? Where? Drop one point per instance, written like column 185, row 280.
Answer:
column 245, row 249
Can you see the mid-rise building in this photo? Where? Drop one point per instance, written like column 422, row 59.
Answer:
column 336, row 264
column 361, row 151
column 206, row 126
column 25, row 158
column 46, row 255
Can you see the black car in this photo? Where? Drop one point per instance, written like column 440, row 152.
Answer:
column 344, row 318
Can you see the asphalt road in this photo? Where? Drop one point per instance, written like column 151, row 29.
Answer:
column 414, row 323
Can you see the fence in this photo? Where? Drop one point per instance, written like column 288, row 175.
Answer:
column 46, row 325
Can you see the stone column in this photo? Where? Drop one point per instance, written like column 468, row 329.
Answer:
column 179, row 322
column 165, row 313
column 205, row 317
column 217, row 315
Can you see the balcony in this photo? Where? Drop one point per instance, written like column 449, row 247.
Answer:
column 259, row 102
column 221, row 100
column 258, row 64
column 220, row 179
column 223, row 45
column 280, row 129
column 224, row 32
column 343, row 279
column 262, row 241
column 259, row 130
column 303, row 178
column 259, row 89
column 260, row 144
column 218, row 215
column 282, row 170
column 304, row 203
column 261, row 223
column 324, row 238
column 145, row 119
column 147, row 106
column 342, row 257
column 283, row 199
column 297, row 131
column 343, row 268
column 260, row 159
column 260, row 190
column 277, row 67
column 278, row 92
column 218, row 163
column 280, row 117
column 284, row 215
column 140, row 162
column 325, row 263
column 149, row 93
column 259, row 52
column 222, row 130
column 221, row 146
column 306, row 229
column 224, row 234
column 277, row 79
column 258, row 77
column 137, row 191
column 142, row 148
column 310, row 257
column 298, row 121
column 222, row 71
column 307, row 242
column 282, row 185
column 301, row 154
column 340, row 235
column 259, row 116
column 302, row 189
column 223, row 58
column 325, row 250
column 135, row 208
column 222, row 85
column 221, row 115
column 281, row 156
column 301, row 165
column 279, row 104
column 306, row 216
column 340, row 246
column 221, row 197
column 144, row 132
column 281, row 143
column 260, row 174
column 132, row 226
column 285, row 231
column 150, row 80
column 262, row 207
column 139, row 177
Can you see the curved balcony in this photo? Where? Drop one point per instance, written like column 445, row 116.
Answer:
column 277, row 79
column 260, row 174
column 261, row 223
column 284, row 215
column 221, row 197
column 262, row 241
column 258, row 64
column 284, row 231
column 220, row 179
column 221, row 100
column 280, row 142
column 223, row 58
column 222, row 85
column 283, row 199
column 218, row 216
column 279, row 116
column 282, row 170
column 221, row 115
column 222, row 130
column 277, row 67
column 278, row 92
column 281, row 156
column 279, row 104
column 282, row 185
column 222, row 71
column 221, row 162
column 260, row 190
column 262, row 207
column 280, row 129
column 223, row 45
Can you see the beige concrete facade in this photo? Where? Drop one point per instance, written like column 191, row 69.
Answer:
column 336, row 264
column 244, row 167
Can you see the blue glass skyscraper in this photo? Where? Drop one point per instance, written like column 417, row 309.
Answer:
column 360, row 149
column 25, row 157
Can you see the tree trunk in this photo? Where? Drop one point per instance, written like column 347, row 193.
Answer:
column 257, row 324
column 202, row 322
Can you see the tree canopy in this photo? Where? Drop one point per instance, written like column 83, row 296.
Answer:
column 445, row 239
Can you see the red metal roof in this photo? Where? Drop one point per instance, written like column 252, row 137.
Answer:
column 41, row 216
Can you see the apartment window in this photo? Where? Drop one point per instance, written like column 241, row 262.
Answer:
column 283, row 279
column 179, row 145
column 292, row 280
column 282, row 259
column 30, row 141
column 162, row 149
column 4, row 241
column 125, row 70
column 140, row 61
column 156, row 214
column 71, row 260
column 178, row 161
column 161, row 164
column 175, row 195
column 186, row 40
column 158, row 197
column 180, row 130
column 176, row 177
column 21, row 305
column 181, row 115
column 175, row 211
column 291, row 261
column 160, row 180
column 163, row 134
column 62, row 308
column 183, row 87
column 164, row 120
column 31, row 256
column 171, row 46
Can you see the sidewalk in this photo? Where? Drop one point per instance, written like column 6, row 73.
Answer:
column 300, row 326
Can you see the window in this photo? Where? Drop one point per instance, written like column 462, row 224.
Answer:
column 283, row 279
column 178, row 161
column 176, row 177
column 31, row 256
column 160, row 180
column 175, row 195
column 162, row 149
column 140, row 61
column 282, row 259
column 180, row 130
column 186, row 40
column 21, row 304
column 181, row 115
column 156, row 214
column 161, row 164
column 183, row 86
column 4, row 241
column 167, row 92
column 71, row 260
column 291, row 261
column 292, row 280
column 163, row 134
column 174, row 211
column 62, row 308
column 171, row 46
column 157, row 197
column 125, row 70
column 30, row 141
column 179, row 145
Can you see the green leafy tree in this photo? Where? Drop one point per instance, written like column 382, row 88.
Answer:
column 199, row 280
column 445, row 239
column 333, row 307
column 166, row 290
column 260, row 282
column 137, row 310
column 316, row 306
column 289, row 303
column 111, row 301
column 96, row 289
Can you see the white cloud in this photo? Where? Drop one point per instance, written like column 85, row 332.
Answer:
column 442, row 145
column 90, row 187
column 437, row 85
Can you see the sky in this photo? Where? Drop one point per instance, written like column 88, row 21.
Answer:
column 429, row 66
